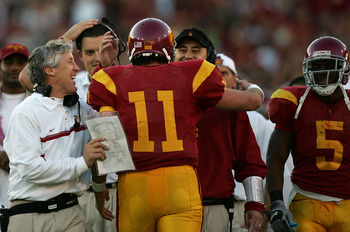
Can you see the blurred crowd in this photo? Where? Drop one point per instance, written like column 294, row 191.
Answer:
column 266, row 38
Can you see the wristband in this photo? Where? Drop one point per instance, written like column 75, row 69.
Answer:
column 276, row 195
column 254, row 86
column 253, row 205
column 98, row 187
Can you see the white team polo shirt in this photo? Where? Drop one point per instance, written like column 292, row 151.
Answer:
column 45, row 150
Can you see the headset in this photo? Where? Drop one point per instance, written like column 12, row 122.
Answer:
column 44, row 90
column 211, row 54
column 121, row 45
column 68, row 100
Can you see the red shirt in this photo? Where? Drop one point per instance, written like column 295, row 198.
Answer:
column 226, row 141
column 321, row 144
column 159, row 107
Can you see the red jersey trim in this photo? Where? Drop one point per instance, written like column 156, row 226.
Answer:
column 62, row 134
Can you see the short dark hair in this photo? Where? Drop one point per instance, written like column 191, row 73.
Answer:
column 95, row 31
column 140, row 60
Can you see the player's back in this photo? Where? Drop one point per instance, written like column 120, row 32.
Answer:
column 159, row 107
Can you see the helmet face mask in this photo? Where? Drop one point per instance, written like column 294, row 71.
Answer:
column 326, row 65
column 325, row 68
column 149, row 37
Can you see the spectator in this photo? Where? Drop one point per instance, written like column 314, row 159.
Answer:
column 13, row 58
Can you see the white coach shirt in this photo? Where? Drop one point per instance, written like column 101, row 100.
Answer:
column 45, row 150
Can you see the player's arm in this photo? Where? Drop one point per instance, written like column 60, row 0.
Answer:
column 24, row 80
column 278, row 151
column 249, row 99
column 277, row 155
column 101, row 194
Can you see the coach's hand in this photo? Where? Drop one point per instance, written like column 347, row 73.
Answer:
column 94, row 150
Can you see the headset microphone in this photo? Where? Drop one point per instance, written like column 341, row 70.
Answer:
column 77, row 123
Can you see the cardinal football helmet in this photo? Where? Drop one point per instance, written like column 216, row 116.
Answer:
column 151, row 36
column 326, row 65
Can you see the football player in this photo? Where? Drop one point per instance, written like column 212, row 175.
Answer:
column 159, row 104
column 313, row 122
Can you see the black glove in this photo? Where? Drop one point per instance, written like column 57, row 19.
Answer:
column 281, row 218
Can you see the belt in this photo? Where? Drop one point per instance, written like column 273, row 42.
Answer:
column 212, row 201
column 62, row 201
column 108, row 185
column 227, row 202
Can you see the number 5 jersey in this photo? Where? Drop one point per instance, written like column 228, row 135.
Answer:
column 321, row 140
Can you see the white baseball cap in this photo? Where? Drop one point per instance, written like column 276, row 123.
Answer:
column 226, row 61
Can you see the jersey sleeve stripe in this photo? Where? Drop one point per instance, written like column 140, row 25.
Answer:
column 285, row 94
column 204, row 71
column 106, row 80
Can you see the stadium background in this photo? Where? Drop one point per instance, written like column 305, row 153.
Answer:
column 266, row 38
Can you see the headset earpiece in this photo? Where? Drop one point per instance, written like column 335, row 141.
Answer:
column 70, row 100
column 211, row 55
column 44, row 90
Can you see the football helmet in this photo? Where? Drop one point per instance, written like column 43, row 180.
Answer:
column 151, row 36
column 326, row 65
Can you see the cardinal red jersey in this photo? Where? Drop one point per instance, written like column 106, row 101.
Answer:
column 159, row 107
column 226, row 141
column 321, row 144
